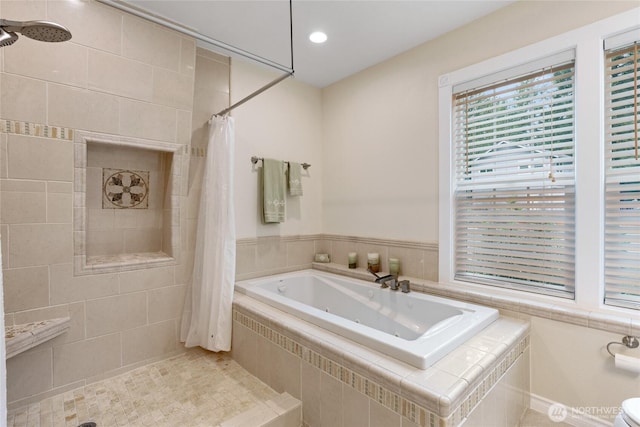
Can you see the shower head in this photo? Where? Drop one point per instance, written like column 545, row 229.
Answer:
column 7, row 38
column 43, row 31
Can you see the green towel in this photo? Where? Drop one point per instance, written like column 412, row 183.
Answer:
column 295, row 181
column 273, row 191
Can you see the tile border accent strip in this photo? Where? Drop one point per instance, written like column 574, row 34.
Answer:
column 354, row 239
column 382, row 242
column 291, row 238
column 391, row 400
column 16, row 127
column 196, row 151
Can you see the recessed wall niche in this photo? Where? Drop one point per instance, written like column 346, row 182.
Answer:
column 126, row 203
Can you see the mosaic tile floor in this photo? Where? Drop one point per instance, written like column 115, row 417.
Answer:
column 197, row 388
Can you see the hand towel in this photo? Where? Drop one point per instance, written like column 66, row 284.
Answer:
column 295, row 181
column 273, row 191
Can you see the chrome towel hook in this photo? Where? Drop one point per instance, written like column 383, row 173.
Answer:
column 629, row 340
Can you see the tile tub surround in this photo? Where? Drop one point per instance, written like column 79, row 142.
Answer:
column 614, row 323
column 559, row 375
column 269, row 255
column 294, row 355
column 197, row 388
column 264, row 256
column 417, row 259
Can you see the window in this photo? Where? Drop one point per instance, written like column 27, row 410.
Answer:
column 514, row 182
column 494, row 178
column 622, row 171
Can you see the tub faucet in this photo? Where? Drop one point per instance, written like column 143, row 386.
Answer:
column 405, row 285
column 382, row 280
column 400, row 284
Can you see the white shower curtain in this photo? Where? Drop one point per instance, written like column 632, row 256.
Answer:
column 214, row 267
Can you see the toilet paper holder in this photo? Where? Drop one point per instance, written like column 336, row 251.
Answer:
column 629, row 340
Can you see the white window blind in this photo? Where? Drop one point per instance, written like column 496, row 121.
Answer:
column 622, row 176
column 514, row 184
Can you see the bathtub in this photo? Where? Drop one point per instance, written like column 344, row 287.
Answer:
column 415, row 328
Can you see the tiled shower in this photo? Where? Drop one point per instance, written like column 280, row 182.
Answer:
column 128, row 118
column 103, row 236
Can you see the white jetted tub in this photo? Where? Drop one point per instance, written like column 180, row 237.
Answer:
column 415, row 328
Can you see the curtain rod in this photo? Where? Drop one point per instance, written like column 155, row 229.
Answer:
column 252, row 95
column 162, row 21
column 289, row 73
column 158, row 20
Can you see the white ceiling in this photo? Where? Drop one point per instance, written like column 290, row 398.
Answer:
column 361, row 32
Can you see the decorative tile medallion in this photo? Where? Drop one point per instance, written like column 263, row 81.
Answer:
column 125, row 189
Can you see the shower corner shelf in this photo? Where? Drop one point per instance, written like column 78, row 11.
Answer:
column 20, row 338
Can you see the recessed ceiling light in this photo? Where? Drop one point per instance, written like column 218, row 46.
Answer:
column 318, row 37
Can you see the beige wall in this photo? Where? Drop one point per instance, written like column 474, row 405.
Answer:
column 118, row 75
column 570, row 365
column 381, row 125
column 285, row 122
column 381, row 145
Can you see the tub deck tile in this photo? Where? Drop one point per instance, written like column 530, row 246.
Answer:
column 431, row 397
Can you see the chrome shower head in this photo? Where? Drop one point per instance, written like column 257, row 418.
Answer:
column 43, row 31
column 7, row 38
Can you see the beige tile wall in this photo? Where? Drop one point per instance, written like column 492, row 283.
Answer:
column 121, row 231
column 122, row 76
column 211, row 94
column 278, row 254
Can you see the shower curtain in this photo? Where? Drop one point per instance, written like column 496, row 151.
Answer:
column 209, row 325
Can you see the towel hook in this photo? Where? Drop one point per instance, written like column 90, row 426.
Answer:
column 629, row 340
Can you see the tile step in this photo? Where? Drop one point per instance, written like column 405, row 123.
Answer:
column 281, row 411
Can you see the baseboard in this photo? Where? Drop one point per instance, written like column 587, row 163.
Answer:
column 575, row 416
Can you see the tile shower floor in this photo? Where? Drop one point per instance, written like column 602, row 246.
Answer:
column 197, row 388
